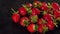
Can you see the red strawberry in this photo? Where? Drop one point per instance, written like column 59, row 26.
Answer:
column 55, row 6
column 15, row 16
column 50, row 25
column 40, row 28
column 47, row 17
column 35, row 11
column 29, row 4
column 33, row 18
column 56, row 14
column 31, row 28
column 24, row 21
column 44, row 6
column 28, row 9
column 41, row 21
column 22, row 11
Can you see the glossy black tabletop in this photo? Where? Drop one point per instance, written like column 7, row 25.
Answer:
column 7, row 26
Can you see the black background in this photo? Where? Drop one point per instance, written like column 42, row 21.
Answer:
column 6, row 24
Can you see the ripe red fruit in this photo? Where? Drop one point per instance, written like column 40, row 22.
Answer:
column 29, row 4
column 47, row 17
column 22, row 11
column 33, row 18
column 41, row 21
column 56, row 14
column 44, row 6
column 55, row 6
column 50, row 25
column 31, row 28
column 40, row 28
column 15, row 16
column 35, row 11
column 24, row 21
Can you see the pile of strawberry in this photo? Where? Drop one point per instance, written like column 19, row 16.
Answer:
column 39, row 16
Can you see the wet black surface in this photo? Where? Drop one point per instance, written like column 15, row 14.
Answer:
column 6, row 24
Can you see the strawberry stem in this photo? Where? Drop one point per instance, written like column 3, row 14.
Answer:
column 13, row 10
column 49, row 4
column 56, row 25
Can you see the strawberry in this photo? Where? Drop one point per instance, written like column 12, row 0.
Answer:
column 31, row 28
column 24, row 21
column 55, row 6
column 33, row 18
column 47, row 17
column 29, row 4
column 41, row 21
column 44, row 6
column 15, row 16
column 28, row 9
column 22, row 11
column 59, row 7
column 35, row 11
column 42, row 28
column 50, row 25
column 56, row 13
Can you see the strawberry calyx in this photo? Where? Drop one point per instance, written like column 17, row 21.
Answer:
column 36, row 27
column 26, row 22
column 42, row 28
column 29, row 11
column 34, row 18
column 54, row 20
column 58, row 18
column 49, row 5
column 44, row 21
column 41, row 21
column 44, row 12
column 37, row 4
column 55, row 23
column 45, row 28
column 14, row 12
